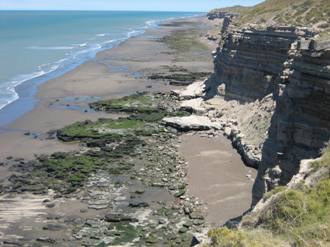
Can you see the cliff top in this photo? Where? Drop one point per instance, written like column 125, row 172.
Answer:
column 310, row 13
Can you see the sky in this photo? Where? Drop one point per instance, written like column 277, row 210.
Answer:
column 161, row 5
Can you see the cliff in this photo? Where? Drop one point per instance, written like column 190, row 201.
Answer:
column 301, row 123
column 292, row 215
column 272, row 84
column 281, row 73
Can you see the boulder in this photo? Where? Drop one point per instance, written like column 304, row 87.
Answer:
column 192, row 122
column 192, row 91
column 193, row 105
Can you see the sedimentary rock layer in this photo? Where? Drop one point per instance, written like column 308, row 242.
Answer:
column 301, row 124
column 250, row 61
column 288, row 65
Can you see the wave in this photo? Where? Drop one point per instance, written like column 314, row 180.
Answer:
column 81, row 54
column 76, row 55
column 9, row 93
column 51, row 47
column 81, row 45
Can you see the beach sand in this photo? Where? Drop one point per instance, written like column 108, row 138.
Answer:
column 217, row 176
column 113, row 73
column 215, row 172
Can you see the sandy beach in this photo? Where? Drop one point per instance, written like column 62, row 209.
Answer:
column 120, row 71
column 216, row 174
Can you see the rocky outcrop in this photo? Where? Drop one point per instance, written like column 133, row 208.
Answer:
column 192, row 122
column 218, row 14
column 250, row 61
column 301, row 123
column 194, row 90
column 288, row 67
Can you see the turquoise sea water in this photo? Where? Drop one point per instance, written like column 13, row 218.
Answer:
column 39, row 45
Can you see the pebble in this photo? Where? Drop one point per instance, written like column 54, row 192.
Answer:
column 12, row 242
column 98, row 206
column 183, row 230
column 83, row 210
column 162, row 221
column 46, row 240
column 53, row 227
column 50, row 205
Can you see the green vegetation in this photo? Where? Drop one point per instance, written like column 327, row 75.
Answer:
column 140, row 103
column 225, row 237
column 103, row 128
column 109, row 143
column 287, row 12
column 125, row 233
column 298, row 217
column 144, row 124
column 301, row 214
column 62, row 172
column 273, row 192
column 185, row 41
column 115, row 139
column 144, row 107
column 295, row 12
column 181, row 79
column 67, row 168
column 324, row 161
column 66, row 172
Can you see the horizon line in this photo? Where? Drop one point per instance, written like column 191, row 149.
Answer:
column 101, row 10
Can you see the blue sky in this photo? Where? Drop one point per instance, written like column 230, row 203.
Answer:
column 165, row 5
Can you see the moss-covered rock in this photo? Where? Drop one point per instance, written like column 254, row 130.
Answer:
column 136, row 103
column 62, row 172
column 181, row 79
column 112, row 129
column 124, row 233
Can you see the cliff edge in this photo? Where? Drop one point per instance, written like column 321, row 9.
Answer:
column 270, row 91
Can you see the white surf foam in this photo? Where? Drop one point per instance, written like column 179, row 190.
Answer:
column 76, row 55
column 51, row 47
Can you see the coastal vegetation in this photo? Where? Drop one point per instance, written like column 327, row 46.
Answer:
column 133, row 157
column 103, row 128
column 129, row 171
column 139, row 102
column 185, row 41
column 297, row 213
column 304, row 13
column 146, row 111
column 294, row 216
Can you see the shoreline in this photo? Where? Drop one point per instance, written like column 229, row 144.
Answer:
column 113, row 77
column 27, row 90
column 140, row 181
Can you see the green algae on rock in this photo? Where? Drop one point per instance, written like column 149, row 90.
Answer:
column 123, row 165
column 141, row 102
column 112, row 129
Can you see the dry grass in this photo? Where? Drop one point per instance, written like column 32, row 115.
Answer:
column 310, row 13
column 295, row 217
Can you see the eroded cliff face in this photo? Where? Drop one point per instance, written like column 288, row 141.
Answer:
column 287, row 66
column 250, row 61
column 300, row 126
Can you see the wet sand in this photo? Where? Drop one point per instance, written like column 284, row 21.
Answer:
column 113, row 73
column 217, row 176
column 120, row 71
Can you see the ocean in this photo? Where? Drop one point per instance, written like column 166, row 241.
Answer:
column 36, row 46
